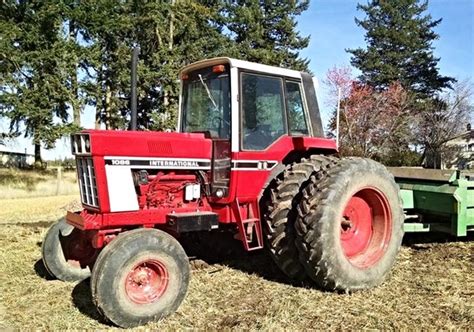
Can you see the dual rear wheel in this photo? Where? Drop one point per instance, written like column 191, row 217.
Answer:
column 343, row 224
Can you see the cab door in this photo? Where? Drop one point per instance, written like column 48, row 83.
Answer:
column 272, row 110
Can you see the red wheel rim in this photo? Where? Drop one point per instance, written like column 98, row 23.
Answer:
column 146, row 282
column 366, row 225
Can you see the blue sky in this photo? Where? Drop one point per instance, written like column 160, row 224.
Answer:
column 330, row 23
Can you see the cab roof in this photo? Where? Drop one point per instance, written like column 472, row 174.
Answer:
column 241, row 64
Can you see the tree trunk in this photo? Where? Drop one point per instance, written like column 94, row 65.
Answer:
column 97, row 120
column 107, row 107
column 99, row 105
column 166, row 93
column 171, row 36
column 76, row 109
column 38, row 160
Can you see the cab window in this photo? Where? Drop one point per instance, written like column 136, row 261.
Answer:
column 263, row 111
column 296, row 115
column 206, row 103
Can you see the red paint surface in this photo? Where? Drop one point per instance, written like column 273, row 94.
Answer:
column 366, row 226
column 164, row 193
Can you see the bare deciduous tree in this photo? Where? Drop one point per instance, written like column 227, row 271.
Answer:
column 445, row 118
column 372, row 124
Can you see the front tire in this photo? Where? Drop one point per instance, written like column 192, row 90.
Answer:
column 66, row 252
column 350, row 225
column 141, row 276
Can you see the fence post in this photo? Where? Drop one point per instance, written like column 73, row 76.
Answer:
column 58, row 180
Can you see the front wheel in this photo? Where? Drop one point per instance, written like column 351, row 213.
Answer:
column 67, row 253
column 350, row 225
column 141, row 276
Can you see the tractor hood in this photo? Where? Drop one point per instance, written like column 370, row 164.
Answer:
column 142, row 144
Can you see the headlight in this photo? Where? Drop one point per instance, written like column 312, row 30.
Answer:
column 87, row 143
column 80, row 144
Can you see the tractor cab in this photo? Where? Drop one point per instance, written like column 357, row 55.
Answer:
column 255, row 114
column 250, row 104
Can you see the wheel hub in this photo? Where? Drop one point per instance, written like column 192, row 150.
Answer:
column 346, row 224
column 141, row 276
column 365, row 227
column 147, row 282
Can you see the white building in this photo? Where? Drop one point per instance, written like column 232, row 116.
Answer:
column 463, row 144
column 16, row 159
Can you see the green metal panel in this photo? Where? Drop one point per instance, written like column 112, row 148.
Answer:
column 407, row 198
column 446, row 198
column 411, row 227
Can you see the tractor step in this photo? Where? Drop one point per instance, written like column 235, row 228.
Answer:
column 250, row 228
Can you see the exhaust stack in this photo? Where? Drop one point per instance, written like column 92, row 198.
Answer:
column 133, row 93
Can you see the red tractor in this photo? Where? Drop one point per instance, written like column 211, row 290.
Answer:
column 249, row 156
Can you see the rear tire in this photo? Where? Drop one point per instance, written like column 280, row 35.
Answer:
column 350, row 225
column 279, row 216
column 66, row 252
column 141, row 276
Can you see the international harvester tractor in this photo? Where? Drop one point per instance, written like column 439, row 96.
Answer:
column 248, row 156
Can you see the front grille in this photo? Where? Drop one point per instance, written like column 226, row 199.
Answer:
column 87, row 181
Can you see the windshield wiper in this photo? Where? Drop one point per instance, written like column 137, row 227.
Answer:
column 208, row 92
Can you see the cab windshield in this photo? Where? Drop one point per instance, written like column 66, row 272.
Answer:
column 206, row 102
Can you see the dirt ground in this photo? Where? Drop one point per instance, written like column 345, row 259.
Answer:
column 431, row 287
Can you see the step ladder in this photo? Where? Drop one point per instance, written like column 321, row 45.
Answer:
column 250, row 227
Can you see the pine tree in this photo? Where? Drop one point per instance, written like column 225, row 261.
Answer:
column 34, row 72
column 105, row 27
column 265, row 32
column 399, row 36
column 171, row 35
column 58, row 56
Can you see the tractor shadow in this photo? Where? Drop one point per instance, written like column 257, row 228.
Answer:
column 82, row 300
column 259, row 263
column 229, row 252
column 225, row 251
column 41, row 271
column 81, row 294
column 262, row 265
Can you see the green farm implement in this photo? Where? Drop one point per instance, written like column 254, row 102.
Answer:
column 437, row 200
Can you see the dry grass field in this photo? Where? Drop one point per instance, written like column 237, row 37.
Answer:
column 27, row 210
column 26, row 184
column 431, row 287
